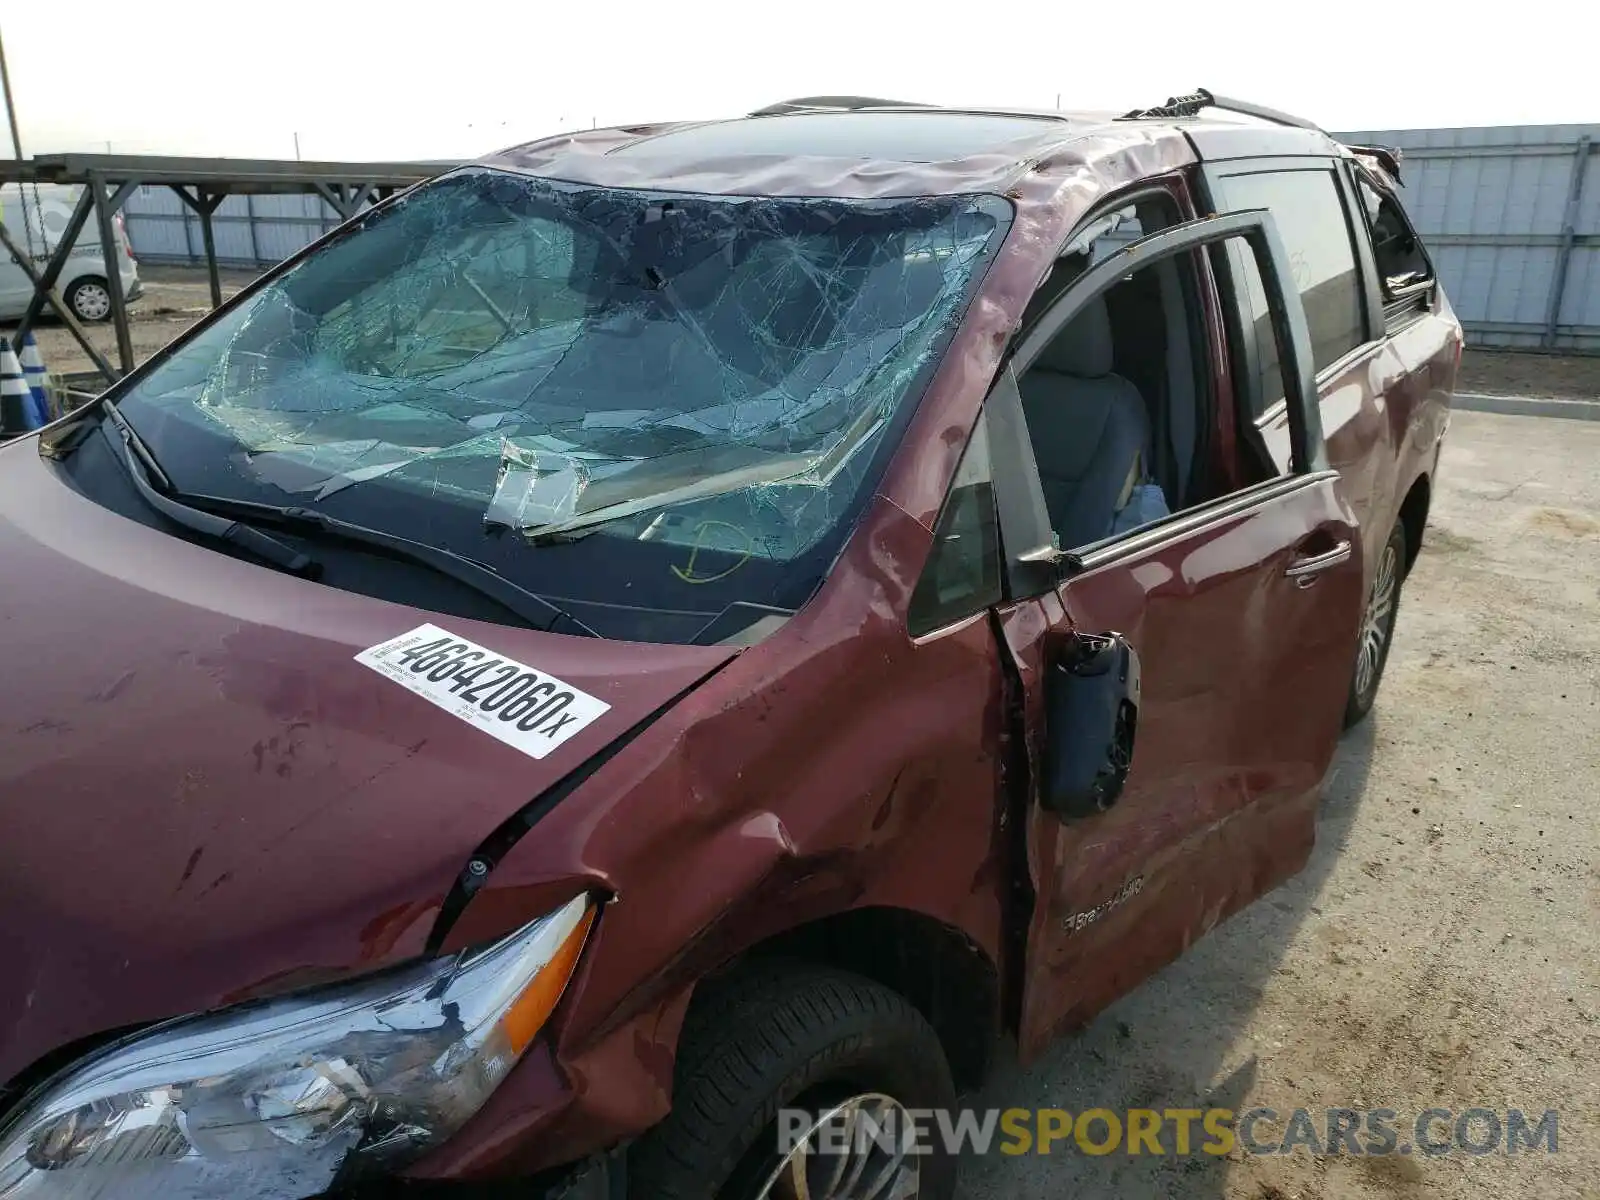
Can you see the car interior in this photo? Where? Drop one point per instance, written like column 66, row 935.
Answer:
column 1401, row 261
column 1118, row 405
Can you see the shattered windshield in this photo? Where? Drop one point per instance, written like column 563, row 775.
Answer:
column 510, row 358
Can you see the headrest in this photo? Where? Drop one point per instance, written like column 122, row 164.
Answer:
column 1082, row 347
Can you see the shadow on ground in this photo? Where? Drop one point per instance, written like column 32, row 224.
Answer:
column 1175, row 1041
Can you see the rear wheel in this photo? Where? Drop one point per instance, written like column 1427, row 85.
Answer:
column 855, row 1056
column 89, row 298
column 1377, row 627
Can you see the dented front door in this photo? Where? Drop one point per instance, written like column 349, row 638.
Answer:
column 1243, row 681
column 1243, row 612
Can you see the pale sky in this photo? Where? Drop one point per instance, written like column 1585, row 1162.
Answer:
column 457, row 78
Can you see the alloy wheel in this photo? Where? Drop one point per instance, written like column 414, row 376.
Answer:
column 859, row 1150
column 1378, row 621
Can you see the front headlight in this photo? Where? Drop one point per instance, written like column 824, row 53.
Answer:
column 273, row 1099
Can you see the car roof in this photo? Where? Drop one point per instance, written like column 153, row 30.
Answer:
column 884, row 135
column 843, row 146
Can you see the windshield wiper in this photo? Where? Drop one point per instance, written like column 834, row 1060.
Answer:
column 531, row 607
column 143, row 469
column 203, row 514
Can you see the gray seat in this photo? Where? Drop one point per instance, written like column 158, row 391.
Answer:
column 1089, row 428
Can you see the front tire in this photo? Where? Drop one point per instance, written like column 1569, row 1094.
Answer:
column 1377, row 627
column 797, row 1037
column 89, row 298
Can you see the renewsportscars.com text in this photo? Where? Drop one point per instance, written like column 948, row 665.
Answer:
column 1179, row 1131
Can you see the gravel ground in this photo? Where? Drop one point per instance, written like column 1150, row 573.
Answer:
column 1440, row 949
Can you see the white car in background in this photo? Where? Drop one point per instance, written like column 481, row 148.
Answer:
column 36, row 215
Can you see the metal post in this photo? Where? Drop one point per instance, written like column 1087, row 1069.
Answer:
column 1569, row 233
column 250, row 223
column 104, row 207
column 208, row 205
column 182, row 193
column 58, row 259
column 11, row 108
column 205, row 203
column 334, row 195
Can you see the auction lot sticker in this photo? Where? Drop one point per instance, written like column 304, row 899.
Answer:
column 522, row 706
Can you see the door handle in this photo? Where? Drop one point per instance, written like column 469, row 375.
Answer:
column 1305, row 570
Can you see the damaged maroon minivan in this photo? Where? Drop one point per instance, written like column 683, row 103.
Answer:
column 671, row 623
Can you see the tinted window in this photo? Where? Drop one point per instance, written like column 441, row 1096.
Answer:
column 1311, row 220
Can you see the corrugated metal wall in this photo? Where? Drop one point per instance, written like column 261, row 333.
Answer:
column 1510, row 213
column 1511, row 216
column 251, row 231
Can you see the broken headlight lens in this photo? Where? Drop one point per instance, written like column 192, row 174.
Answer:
column 272, row 1100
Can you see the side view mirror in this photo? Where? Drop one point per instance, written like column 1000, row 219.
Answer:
column 1091, row 716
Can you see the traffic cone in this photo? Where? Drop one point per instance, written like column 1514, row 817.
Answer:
column 38, row 378
column 16, row 401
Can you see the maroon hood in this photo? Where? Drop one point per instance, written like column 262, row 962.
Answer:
column 204, row 796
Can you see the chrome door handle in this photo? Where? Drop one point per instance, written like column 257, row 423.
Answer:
column 1307, row 569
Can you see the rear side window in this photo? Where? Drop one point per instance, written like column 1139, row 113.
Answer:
column 1402, row 263
column 1311, row 219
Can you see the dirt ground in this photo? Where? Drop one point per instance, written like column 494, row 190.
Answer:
column 1441, row 947
column 174, row 298
column 1545, row 376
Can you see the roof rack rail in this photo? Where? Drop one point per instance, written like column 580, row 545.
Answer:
column 1190, row 105
column 831, row 104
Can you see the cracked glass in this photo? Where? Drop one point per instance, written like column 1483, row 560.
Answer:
column 500, row 357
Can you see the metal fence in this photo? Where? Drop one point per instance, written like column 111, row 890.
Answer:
column 251, row 231
column 1511, row 215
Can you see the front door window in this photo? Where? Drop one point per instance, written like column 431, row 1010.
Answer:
column 1120, row 409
